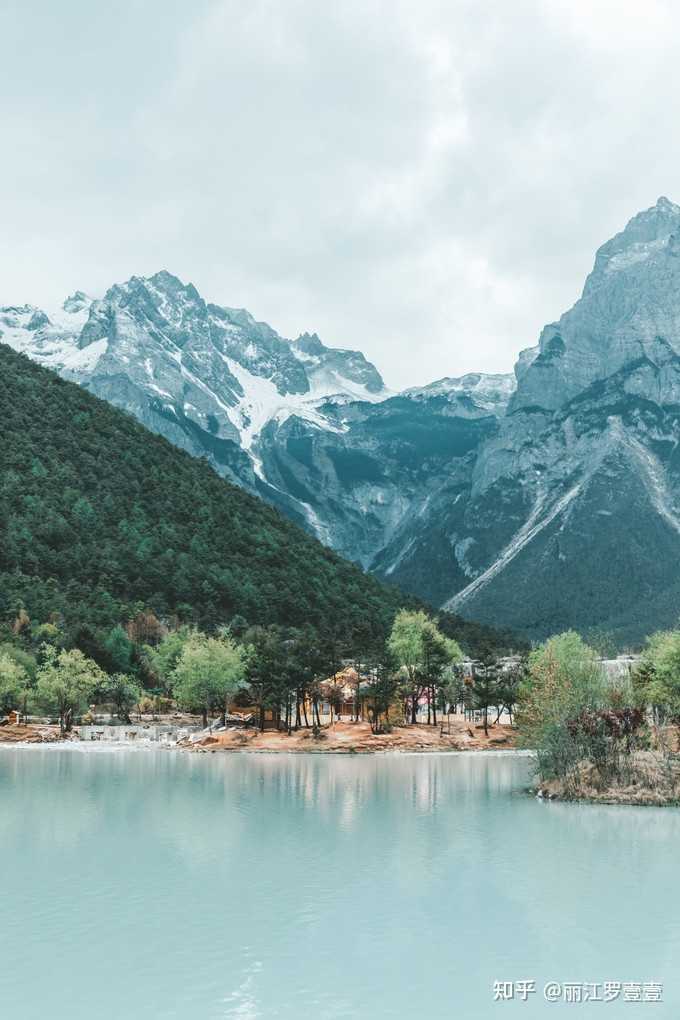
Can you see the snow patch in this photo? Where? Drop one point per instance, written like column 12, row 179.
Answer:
column 262, row 403
column 400, row 558
column 325, row 382
column 319, row 528
column 635, row 253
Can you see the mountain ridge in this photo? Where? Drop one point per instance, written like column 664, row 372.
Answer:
column 220, row 384
column 470, row 491
column 100, row 518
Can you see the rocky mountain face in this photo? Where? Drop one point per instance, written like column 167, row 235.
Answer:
column 210, row 379
column 542, row 500
column 571, row 514
column 309, row 428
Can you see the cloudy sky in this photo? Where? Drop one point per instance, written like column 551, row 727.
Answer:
column 425, row 181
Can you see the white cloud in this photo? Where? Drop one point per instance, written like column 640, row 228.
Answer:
column 425, row 181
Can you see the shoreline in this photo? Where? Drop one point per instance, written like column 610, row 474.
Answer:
column 543, row 792
column 654, row 781
column 646, row 798
column 353, row 738
column 115, row 747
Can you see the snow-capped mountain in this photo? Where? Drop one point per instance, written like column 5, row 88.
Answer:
column 297, row 422
column 475, row 390
column 539, row 500
column 209, row 378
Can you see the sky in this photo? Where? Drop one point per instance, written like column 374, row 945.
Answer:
column 424, row 181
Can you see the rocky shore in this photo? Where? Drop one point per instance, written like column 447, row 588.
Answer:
column 19, row 734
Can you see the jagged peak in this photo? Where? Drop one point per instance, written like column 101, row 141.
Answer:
column 647, row 233
column 310, row 343
column 664, row 204
column 162, row 282
column 38, row 320
column 649, row 224
column 170, row 284
column 76, row 302
column 166, row 278
column 330, row 367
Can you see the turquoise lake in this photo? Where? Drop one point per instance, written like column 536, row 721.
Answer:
column 150, row 884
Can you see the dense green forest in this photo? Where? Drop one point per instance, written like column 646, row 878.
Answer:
column 100, row 519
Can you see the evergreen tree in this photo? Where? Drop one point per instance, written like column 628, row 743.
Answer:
column 101, row 521
column 123, row 693
column 120, row 650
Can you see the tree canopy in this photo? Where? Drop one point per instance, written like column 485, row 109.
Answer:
column 67, row 680
column 101, row 521
column 658, row 677
column 208, row 673
column 420, row 649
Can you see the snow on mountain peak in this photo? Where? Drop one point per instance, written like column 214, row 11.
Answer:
column 488, row 392
column 154, row 346
column 77, row 302
column 336, row 372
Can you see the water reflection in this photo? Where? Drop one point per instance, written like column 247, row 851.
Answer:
column 326, row 886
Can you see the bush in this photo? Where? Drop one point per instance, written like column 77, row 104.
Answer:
column 572, row 716
column 558, row 754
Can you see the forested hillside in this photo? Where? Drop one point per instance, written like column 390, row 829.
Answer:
column 100, row 518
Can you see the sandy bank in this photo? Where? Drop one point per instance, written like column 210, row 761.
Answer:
column 356, row 738
column 341, row 738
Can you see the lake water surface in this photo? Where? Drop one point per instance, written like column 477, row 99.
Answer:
column 158, row 885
